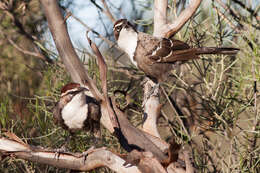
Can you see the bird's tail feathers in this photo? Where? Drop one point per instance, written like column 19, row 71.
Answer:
column 216, row 50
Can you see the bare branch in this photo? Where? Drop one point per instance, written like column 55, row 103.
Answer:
column 26, row 52
column 87, row 161
column 145, row 162
column 157, row 141
column 107, row 12
column 251, row 11
column 189, row 167
column 160, row 16
column 66, row 51
column 152, row 108
column 134, row 138
column 185, row 15
column 94, row 2
column 103, row 76
column 161, row 28
column 111, row 44
column 230, row 9
column 227, row 20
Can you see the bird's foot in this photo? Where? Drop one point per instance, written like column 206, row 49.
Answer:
column 60, row 151
column 89, row 151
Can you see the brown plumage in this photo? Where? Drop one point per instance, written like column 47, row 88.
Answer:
column 155, row 56
column 77, row 110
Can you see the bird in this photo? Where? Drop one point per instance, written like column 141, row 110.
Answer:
column 156, row 56
column 77, row 110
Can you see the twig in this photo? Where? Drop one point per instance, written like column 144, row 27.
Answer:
column 26, row 52
column 230, row 9
column 94, row 2
column 183, row 18
column 107, row 12
column 252, row 12
column 226, row 19
column 111, row 44
column 250, row 44
column 22, row 31
column 177, row 111
column 126, row 71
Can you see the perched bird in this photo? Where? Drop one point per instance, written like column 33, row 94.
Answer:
column 155, row 56
column 77, row 109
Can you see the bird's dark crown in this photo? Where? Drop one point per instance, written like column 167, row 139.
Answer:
column 72, row 88
column 69, row 86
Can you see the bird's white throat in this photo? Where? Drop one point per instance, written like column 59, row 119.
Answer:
column 127, row 41
column 75, row 112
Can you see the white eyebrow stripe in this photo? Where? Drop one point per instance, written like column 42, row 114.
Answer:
column 118, row 24
column 70, row 90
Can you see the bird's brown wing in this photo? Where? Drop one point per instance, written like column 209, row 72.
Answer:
column 171, row 51
column 57, row 113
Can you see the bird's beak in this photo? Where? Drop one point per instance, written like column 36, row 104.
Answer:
column 82, row 89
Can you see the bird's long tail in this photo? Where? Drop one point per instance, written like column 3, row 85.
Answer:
column 193, row 53
column 216, row 50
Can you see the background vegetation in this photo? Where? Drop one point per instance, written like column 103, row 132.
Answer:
column 224, row 135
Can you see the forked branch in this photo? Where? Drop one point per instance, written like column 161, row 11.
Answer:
column 164, row 29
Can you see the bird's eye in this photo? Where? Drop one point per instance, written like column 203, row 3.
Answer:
column 118, row 28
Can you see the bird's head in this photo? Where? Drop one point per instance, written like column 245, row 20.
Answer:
column 120, row 25
column 71, row 89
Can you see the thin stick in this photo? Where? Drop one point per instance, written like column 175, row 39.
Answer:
column 107, row 12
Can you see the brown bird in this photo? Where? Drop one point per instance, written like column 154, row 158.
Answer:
column 155, row 56
column 77, row 109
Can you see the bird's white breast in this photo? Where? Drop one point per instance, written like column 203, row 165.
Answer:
column 127, row 41
column 75, row 112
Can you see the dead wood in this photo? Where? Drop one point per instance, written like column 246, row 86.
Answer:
column 89, row 160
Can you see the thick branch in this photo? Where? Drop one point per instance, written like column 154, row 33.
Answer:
column 160, row 16
column 152, row 108
column 92, row 159
column 145, row 162
column 135, row 138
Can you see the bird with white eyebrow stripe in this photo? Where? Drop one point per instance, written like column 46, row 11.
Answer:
column 156, row 56
column 77, row 110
